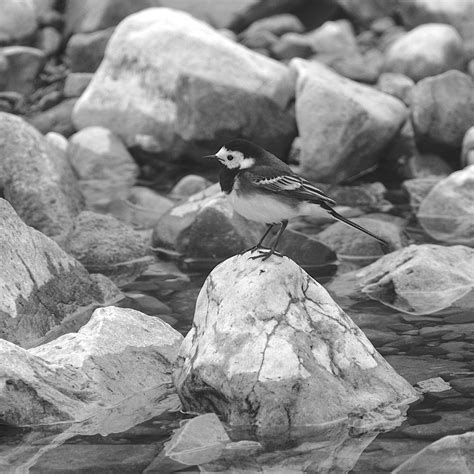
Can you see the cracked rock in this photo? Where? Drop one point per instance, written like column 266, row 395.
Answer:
column 118, row 353
column 270, row 349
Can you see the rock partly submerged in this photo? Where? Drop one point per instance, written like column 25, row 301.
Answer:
column 189, row 88
column 118, row 353
column 270, row 349
column 40, row 284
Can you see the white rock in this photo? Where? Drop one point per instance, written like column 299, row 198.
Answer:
column 58, row 140
column 333, row 37
column 118, row 353
column 442, row 108
column 427, row 50
column 105, row 168
column 456, row 13
column 467, row 154
column 421, row 279
column 397, row 85
column 186, row 86
column 447, row 212
column 17, row 21
column 40, row 285
column 343, row 125
column 270, row 349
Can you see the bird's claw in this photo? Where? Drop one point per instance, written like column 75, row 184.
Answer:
column 266, row 254
column 254, row 248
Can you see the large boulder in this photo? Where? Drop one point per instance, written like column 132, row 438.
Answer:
column 443, row 108
column 270, row 349
column 188, row 88
column 343, row 125
column 421, row 279
column 105, row 168
column 425, row 51
column 119, row 353
column 447, row 212
column 40, row 284
column 37, row 178
column 456, row 13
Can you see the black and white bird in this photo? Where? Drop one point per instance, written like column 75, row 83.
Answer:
column 261, row 187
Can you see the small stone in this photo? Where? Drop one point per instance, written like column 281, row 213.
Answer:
column 427, row 50
column 49, row 40
column 369, row 10
column 467, row 154
column 85, row 51
column 333, row 37
column 396, row 84
column 76, row 83
column 260, row 40
column 17, row 21
column 148, row 304
column 24, row 65
column 464, row 385
column 443, row 108
column 189, row 185
column 58, row 140
column 56, row 119
column 460, row 318
column 447, row 212
column 275, row 24
column 292, row 45
column 418, row 189
column 427, row 165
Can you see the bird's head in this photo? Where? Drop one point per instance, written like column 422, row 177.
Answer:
column 238, row 154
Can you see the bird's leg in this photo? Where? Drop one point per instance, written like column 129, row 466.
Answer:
column 264, row 254
column 259, row 245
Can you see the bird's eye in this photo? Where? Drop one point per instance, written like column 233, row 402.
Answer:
column 230, row 157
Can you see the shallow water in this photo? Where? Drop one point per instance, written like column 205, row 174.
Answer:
column 129, row 437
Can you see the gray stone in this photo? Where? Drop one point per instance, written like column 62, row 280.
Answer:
column 105, row 169
column 443, row 108
column 40, row 284
column 56, row 119
column 453, row 454
column 421, row 279
column 418, row 189
column 427, row 166
column 57, row 140
column 343, row 125
column 467, row 154
column 292, row 45
column 333, row 37
column 189, row 185
column 24, row 65
column 464, row 385
column 276, row 24
column 105, row 245
column 447, row 212
column 17, row 21
column 182, row 103
column 76, row 83
column 49, row 40
column 361, row 249
column 369, row 10
column 397, row 85
column 426, row 50
column 118, row 353
column 85, row 51
column 275, row 352
column 36, row 178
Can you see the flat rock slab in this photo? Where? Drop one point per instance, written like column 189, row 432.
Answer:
column 270, row 349
column 118, row 353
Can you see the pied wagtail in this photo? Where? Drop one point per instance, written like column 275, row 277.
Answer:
column 261, row 187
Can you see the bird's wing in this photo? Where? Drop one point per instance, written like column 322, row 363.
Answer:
column 290, row 185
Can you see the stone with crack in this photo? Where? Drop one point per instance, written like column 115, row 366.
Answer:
column 270, row 349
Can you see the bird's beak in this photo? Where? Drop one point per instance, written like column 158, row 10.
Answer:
column 212, row 157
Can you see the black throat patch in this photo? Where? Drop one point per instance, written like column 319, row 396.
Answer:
column 227, row 178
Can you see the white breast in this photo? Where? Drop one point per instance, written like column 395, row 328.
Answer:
column 262, row 208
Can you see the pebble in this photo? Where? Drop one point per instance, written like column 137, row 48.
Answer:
column 76, row 83
column 464, row 385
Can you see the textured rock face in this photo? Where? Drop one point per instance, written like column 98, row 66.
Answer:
column 120, row 352
column 421, row 279
column 447, row 212
column 467, row 155
column 36, row 178
column 269, row 348
column 40, row 284
column 343, row 125
column 188, row 88
column 425, row 51
column 443, row 108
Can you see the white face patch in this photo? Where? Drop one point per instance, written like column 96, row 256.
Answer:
column 234, row 159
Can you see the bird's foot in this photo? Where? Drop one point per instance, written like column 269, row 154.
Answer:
column 265, row 254
column 254, row 248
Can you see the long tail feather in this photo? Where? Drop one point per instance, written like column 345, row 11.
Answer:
column 338, row 216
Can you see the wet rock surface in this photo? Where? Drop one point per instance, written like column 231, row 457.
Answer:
column 299, row 337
